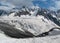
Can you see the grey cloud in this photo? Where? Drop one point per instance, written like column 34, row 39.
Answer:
column 19, row 2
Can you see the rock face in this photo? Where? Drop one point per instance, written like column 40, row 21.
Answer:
column 2, row 12
column 13, row 32
column 58, row 13
column 23, row 11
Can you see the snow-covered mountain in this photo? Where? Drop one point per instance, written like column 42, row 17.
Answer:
column 35, row 11
column 29, row 22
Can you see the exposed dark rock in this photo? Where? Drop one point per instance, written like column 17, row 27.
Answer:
column 13, row 32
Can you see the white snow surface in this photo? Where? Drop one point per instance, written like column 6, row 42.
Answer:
column 47, row 39
column 35, row 25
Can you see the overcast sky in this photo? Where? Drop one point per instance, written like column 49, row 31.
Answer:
column 51, row 4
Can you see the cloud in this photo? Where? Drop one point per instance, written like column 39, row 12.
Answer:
column 43, row 0
column 56, row 5
column 52, row 8
column 40, row 0
column 51, row 4
column 6, row 6
column 19, row 2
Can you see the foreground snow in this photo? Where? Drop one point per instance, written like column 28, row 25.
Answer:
column 48, row 39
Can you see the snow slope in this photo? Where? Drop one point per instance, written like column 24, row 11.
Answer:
column 47, row 39
column 35, row 25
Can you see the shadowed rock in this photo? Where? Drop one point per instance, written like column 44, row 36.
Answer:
column 13, row 32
